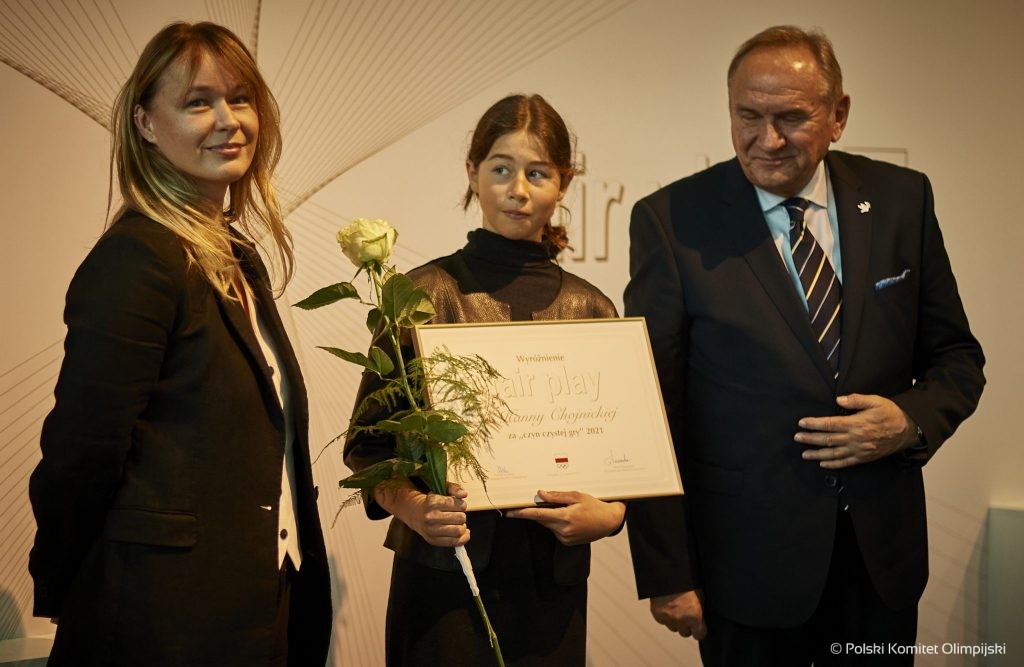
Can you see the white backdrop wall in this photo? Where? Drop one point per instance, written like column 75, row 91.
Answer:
column 378, row 99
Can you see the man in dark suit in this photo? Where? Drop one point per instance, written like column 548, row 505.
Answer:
column 814, row 353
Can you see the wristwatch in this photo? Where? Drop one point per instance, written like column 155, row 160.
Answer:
column 919, row 450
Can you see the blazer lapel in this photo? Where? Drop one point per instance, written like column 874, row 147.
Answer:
column 853, row 208
column 266, row 306
column 745, row 223
column 238, row 322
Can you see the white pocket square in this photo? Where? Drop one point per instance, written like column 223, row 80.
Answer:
column 891, row 280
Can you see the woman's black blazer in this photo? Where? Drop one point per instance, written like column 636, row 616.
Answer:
column 157, row 495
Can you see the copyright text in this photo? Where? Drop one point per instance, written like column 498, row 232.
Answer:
column 948, row 648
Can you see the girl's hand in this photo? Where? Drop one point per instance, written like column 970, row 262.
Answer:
column 582, row 519
column 440, row 520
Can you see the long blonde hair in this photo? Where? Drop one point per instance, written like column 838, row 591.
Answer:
column 153, row 186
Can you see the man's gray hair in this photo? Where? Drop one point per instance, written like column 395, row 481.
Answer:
column 790, row 35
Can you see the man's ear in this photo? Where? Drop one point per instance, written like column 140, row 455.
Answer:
column 840, row 115
column 143, row 124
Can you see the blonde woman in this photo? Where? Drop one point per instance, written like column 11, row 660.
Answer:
column 177, row 518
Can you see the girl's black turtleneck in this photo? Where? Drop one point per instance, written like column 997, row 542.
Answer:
column 518, row 273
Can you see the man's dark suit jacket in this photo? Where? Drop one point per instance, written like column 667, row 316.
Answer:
column 739, row 366
column 158, row 492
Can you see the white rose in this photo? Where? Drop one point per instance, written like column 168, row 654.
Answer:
column 366, row 241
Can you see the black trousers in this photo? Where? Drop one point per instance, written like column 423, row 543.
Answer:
column 279, row 656
column 851, row 625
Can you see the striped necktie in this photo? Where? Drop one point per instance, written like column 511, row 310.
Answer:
column 821, row 287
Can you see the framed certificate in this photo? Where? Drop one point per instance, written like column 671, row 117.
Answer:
column 586, row 409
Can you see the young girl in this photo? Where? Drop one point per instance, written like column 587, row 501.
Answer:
column 177, row 519
column 531, row 564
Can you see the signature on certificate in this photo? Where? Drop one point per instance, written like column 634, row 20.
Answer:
column 616, row 459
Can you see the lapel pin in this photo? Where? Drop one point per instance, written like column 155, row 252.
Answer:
column 864, row 206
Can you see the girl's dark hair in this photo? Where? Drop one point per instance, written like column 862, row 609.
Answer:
column 532, row 114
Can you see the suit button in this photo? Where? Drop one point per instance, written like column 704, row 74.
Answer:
column 316, row 493
column 284, row 534
column 831, row 481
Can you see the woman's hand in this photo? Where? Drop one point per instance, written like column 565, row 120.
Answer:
column 440, row 520
column 582, row 520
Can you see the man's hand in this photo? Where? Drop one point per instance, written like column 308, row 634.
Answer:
column 582, row 520
column 877, row 429
column 440, row 520
column 682, row 613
